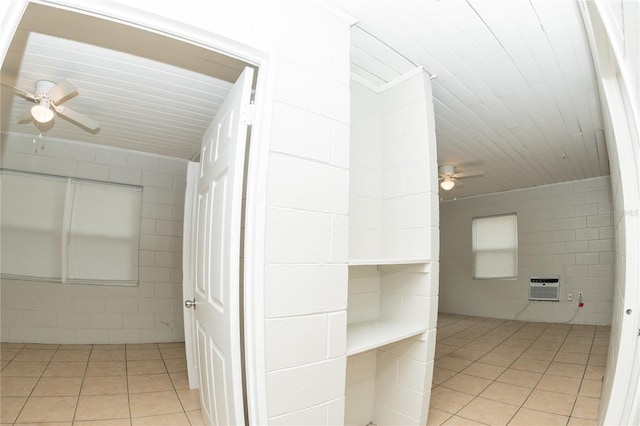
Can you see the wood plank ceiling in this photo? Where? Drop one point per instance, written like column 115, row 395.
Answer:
column 515, row 93
column 149, row 93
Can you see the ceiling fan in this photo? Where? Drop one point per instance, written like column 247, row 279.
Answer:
column 48, row 97
column 447, row 176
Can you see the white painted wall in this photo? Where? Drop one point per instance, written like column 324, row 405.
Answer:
column 564, row 229
column 38, row 312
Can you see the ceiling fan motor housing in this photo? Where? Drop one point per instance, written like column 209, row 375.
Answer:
column 446, row 170
column 43, row 87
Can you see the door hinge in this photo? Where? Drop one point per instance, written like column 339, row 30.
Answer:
column 248, row 114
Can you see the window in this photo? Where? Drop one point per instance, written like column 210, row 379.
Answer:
column 495, row 247
column 69, row 230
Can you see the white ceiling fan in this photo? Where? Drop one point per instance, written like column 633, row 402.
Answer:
column 447, row 176
column 48, row 97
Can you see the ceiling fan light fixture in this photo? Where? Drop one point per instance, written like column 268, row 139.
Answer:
column 447, row 183
column 41, row 112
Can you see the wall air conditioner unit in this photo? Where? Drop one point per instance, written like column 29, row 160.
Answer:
column 544, row 288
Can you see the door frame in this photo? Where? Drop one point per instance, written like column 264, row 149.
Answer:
column 257, row 162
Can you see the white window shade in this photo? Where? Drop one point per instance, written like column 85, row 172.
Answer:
column 63, row 229
column 104, row 231
column 31, row 225
column 495, row 247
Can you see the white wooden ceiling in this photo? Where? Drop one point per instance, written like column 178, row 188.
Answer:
column 515, row 93
column 514, row 88
column 149, row 93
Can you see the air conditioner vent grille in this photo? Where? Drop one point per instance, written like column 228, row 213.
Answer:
column 544, row 288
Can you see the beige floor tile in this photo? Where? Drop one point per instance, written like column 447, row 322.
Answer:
column 10, row 407
column 507, row 393
column 106, row 368
column 154, row 403
column 58, row 386
column 594, row 372
column 460, row 421
column 8, row 353
column 72, row 355
column 173, row 353
column 108, row 355
column 571, row 358
column 109, row 347
column 599, row 350
column 74, row 347
column 467, row 384
column 104, row 385
column 566, row 370
column 528, row 417
column 3, row 364
column 150, row 383
column 169, row 345
column 41, row 346
column 48, row 409
column 576, row 348
column 488, row 411
column 24, row 369
column 500, row 360
column 456, row 341
column 65, row 369
column 576, row 421
column 520, row 378
column 189, row 398
column 34, row 355
column 136, row 368
column 533, row 365
column 590, row 388
column 142, row 354
column 174, row 365
column 102, row 407
column 195, row 418
column 453, row 364
column 550, row 402
column 485, row 371
column 442, row 350
column 108, row 422
column 599, row 360
column 17, row 386
column 449, row 400
column 441, row 375
column 437, row 417
column 518, row 343
column 540, row 355
column 136, row 346
column 9, row 345
column 174, row 419
column 180, row 379
column 586, row 408
column 480, row 346
column 568, row 385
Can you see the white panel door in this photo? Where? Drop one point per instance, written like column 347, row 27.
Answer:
column 218, row 259
column 189, row 270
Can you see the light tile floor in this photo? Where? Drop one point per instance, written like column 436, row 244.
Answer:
column 98, row 385
column 499, row 372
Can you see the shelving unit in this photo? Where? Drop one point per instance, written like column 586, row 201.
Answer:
column 393, row 224
column 367, row 335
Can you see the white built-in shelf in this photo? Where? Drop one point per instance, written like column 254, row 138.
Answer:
column 364, row 262
column 363, row 336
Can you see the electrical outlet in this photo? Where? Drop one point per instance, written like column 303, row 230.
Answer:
column 570, row 297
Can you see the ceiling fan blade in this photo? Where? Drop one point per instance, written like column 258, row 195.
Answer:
column 25, row 117
column 62, row 91
column 21, row 92
column 76, row 117
column 469, row 174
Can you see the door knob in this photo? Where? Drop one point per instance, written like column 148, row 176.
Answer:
column 190, row 303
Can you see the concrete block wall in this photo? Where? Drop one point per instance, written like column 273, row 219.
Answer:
column 40, row 312
column 564, row 229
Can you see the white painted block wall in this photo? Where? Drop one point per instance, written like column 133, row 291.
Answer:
column 564, row 229
column 72, row 313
